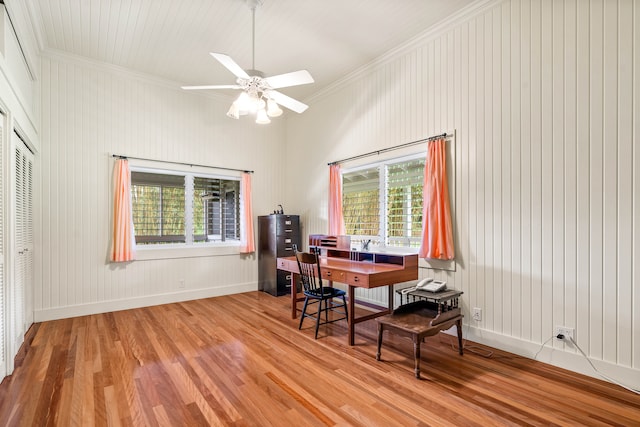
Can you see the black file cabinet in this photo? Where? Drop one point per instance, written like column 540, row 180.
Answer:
column 277, row 235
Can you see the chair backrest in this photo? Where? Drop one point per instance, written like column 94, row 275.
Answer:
column 309, row 266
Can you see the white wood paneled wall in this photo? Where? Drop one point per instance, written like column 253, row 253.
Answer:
column 545, row 98
column 91, row 111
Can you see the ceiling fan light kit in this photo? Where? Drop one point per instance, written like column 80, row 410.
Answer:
column 258, row 92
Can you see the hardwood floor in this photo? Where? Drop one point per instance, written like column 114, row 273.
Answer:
column 240, row 360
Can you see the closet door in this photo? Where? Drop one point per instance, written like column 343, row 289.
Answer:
column 3, row 293
column 23, row 261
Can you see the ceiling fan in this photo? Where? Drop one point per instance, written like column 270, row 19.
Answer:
column 258, row 92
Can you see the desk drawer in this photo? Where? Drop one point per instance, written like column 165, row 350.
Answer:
column 338, row 276
column 358, row 279
column 287, row 265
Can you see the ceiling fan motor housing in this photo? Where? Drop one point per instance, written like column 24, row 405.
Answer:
column 255, row 84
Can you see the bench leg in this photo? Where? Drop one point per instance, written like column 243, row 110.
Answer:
column 459, row 329
column 379, row 341
column 416, row 355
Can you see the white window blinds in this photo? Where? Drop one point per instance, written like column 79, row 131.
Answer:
column 216, row 209
column 361, row 202
column 404, row 203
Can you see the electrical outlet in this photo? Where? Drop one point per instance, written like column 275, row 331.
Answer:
column 181, row 283
column 477, row 314
column 567, row 332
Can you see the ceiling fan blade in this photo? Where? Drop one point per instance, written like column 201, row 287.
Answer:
column 287, row 101
column 211, row 87
column 230, row 64
column 295, row 78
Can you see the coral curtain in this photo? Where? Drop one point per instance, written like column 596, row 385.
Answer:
column 437, row 231
column 336, row 220
column 123, row 239
column 248, row 244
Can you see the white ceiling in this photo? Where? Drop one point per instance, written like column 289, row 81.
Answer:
column 172, row 38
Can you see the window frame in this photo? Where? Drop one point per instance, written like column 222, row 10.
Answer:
column 381, row 241
column 189, row 248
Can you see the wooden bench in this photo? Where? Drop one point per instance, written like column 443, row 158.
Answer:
column 420, row 319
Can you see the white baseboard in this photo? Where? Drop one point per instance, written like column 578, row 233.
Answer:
column 554, row 353
column 142, row 301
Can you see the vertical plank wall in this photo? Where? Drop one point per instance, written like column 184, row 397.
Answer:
column 91, row 111
column 544, row 97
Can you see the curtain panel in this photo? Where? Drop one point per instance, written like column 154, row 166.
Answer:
column 437, row 230
column 123, row 241
column 336, row 220
column 247, row 244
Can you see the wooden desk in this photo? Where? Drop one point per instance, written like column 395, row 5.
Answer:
column 357, row 271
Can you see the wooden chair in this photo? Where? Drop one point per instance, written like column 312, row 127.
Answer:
column 316, row 293
column 421, row 319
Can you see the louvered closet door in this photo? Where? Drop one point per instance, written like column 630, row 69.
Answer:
column 23, row 276
column 3, row 293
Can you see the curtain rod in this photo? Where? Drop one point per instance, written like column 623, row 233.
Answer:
column 120, row 156
column 384, row 150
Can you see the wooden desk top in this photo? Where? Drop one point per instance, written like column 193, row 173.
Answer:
column 362, row 274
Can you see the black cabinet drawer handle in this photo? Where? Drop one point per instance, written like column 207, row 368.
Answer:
column 289, row 277
column 287, row 240
column 288, row 231
column 288, row 249
column 287, row 223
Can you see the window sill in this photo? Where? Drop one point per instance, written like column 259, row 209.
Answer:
column 144, row 253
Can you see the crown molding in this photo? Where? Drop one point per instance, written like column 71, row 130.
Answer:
column 436, row 30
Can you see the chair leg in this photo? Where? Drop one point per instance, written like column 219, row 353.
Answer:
column 318, row 315
column 304, row 311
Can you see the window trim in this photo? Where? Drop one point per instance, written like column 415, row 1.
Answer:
column 185, row 250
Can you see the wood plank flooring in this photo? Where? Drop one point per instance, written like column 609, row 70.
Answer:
column 239, row 360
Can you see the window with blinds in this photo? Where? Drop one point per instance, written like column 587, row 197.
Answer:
column 170, row 208
column 383, row 202
column 216, row 213
column 404, row 203
column 361, row 202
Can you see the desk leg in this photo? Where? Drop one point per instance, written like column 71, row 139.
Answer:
column 352, row 314
column 294, row 296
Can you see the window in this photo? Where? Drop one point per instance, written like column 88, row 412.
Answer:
column 216, row 213
column 383, row 202
column 184, row 208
